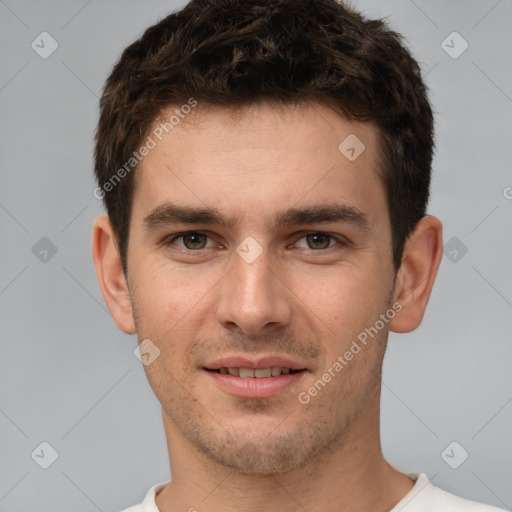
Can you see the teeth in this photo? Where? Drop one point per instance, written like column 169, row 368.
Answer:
column 246, row 372
column 260, row 373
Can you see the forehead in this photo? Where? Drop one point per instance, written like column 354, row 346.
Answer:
column 261, row 159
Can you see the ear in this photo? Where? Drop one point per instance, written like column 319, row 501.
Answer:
column 110, row 274
column 420, row 261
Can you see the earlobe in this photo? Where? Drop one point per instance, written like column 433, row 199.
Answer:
column 420, row 261
column 110, row 274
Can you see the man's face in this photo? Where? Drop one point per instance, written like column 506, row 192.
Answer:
column 301, row 289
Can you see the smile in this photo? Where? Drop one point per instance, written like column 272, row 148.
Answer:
column 254, row 383
column 259, row 373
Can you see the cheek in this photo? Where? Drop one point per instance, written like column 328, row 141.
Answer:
column 165, row 292
column 346, row 296
column 173, row 305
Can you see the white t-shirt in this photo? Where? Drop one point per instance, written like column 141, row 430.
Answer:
column 423, row 497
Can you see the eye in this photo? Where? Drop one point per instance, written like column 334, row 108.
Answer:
column 196, row 241
column 192, row 240
column 321, row 241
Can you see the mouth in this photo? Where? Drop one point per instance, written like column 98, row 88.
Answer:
column 254, row 373
column 256, row 383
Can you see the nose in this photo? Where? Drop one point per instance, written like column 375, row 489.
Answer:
column 253, row 297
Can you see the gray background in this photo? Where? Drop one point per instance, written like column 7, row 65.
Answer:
column 70, row 378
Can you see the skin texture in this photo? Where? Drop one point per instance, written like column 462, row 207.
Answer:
column 303, row 297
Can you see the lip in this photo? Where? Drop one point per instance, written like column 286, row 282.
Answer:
column 254, row 387
column 255, row 364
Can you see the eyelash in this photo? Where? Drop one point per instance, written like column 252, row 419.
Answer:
column 169, row 241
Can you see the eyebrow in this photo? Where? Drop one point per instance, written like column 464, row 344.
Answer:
column 170, row 213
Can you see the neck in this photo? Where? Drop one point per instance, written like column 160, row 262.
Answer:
column 353, row 476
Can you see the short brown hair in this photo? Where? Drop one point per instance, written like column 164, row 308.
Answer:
column 233, row 53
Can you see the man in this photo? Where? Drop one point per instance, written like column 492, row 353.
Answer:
column 265, row 166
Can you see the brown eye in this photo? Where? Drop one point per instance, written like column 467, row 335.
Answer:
column 320, row 241
column 192, row 240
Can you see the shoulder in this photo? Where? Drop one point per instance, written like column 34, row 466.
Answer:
column 444, row 500
column 426, row 497
column 148, row 503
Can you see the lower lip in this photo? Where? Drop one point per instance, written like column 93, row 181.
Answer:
column 253, row 387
